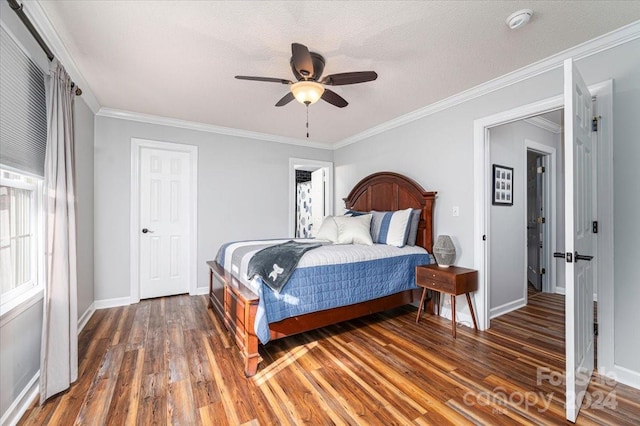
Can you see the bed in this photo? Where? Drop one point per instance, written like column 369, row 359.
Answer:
column 241, row 308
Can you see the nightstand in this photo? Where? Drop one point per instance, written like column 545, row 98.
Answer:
column 454, row 281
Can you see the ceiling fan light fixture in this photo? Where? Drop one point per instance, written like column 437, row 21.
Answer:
column 307, row 92
column 519, row 18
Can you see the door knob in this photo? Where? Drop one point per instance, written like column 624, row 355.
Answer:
column 583, row 257
column 145, row 230
column 558, row 254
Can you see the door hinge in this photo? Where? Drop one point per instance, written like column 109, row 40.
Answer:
column 543, row 271
column 594, row 123
column 595, row 226
column 540, row 220
column 595, row 328
column 540, row 170
column 484, row 238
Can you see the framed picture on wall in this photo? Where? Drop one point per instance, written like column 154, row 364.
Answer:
column 502, row 185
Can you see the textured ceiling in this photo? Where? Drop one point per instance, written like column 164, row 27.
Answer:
column 177, row 59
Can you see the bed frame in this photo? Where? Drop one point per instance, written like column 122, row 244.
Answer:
column 237, row 305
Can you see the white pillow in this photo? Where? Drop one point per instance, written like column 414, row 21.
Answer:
column 328, row 230
column 354, row 230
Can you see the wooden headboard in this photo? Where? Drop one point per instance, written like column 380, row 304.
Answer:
column 388, row 191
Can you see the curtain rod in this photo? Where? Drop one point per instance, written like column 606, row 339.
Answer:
column 18, row 9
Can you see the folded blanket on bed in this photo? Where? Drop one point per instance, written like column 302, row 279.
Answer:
column 275, row 264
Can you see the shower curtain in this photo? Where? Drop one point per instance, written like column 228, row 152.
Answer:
column 303, row 210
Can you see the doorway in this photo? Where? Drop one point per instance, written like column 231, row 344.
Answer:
column 310, row 202
column 536, row 221
column 163, row 232
column 523, row 229
column 310, row 195
column 482, row 192
column 544, row 221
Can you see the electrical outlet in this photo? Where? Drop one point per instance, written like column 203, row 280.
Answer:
column 456, row 211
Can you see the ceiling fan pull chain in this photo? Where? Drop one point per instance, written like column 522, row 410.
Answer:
column 307, row 121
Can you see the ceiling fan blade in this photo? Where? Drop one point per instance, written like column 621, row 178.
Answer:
column 334, row 99
column 349, row 78
column 302, row 59
column 285, row 99
column 267, row 79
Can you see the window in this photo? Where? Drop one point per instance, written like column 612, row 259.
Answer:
column 20, row 224
column 23, row 141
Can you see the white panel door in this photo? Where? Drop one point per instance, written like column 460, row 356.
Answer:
column 317, row 200
column 579, row 239
column 164, row 222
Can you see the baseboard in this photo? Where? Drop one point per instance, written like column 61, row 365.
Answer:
column 627, row 377
column 507, row 307
column 112, row 303
column 124, row 301
column 21, row 404
column 84, row 319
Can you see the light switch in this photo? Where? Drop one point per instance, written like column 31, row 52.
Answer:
column 456, row 211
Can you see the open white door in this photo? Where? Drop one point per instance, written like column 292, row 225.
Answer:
column 317, row 200
column 579, row 239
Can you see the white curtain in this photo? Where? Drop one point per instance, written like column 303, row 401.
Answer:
column 59, row 356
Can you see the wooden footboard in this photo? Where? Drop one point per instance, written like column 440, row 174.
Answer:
column 240, row 307
column 236, row 306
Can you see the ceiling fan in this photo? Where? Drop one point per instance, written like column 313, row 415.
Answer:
column 307, row 68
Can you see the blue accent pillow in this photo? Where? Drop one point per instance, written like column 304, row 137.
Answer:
column 412, row 236
column 390, row 228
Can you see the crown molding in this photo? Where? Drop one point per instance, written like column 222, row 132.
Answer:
column 604, row 42
column 210, row 128
column 41, row 22
column 544, row 124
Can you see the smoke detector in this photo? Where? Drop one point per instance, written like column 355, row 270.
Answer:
column 519, row 18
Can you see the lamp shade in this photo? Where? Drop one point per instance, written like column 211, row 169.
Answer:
column 307, row 92
column 444, row 251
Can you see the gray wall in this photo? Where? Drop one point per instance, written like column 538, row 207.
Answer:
column 507, row 223
column 243, row 189
column 84, row 126
column 626, row 208
column 437, row 151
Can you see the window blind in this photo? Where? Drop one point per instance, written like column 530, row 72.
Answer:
column 23, row 118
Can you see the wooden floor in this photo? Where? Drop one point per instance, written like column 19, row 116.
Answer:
column 169, row 361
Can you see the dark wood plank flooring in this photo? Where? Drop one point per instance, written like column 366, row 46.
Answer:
column 170, row 361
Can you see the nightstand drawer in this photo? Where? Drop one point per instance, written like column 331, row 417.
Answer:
column 424, row 275
column 437, row 285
